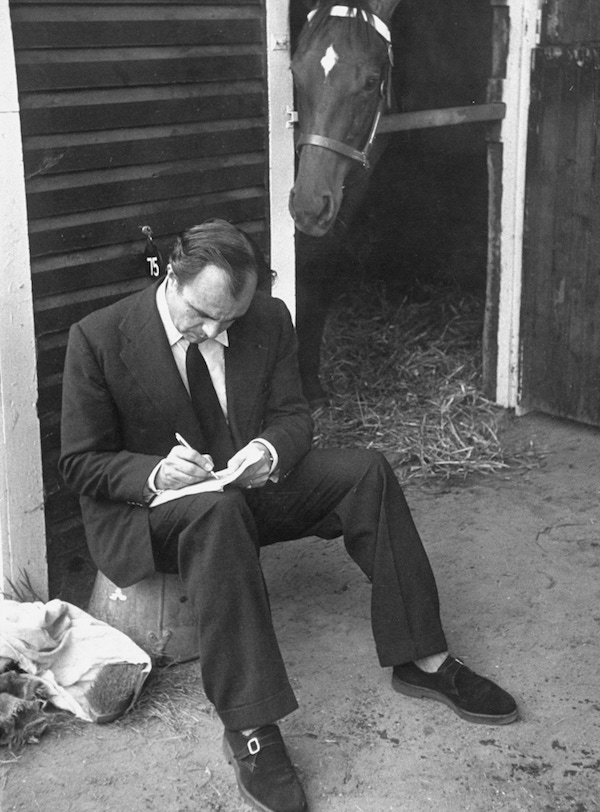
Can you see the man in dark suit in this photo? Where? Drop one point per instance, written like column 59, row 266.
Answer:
column 205, row 355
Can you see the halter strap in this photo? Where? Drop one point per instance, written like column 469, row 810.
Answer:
column 343, row 149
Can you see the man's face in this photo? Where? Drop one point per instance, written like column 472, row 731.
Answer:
column 204, row 307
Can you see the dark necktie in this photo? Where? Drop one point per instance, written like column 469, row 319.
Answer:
column 208, row 409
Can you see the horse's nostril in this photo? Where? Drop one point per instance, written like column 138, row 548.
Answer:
column 327, row 210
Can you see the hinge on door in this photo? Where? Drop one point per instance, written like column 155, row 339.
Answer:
column 291, row 116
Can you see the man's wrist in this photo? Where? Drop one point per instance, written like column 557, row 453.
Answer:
column 152, row 487
column 271, row 453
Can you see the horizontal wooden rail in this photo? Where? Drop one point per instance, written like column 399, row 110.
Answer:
column 398, row 122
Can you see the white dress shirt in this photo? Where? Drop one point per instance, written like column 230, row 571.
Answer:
column 213, row 349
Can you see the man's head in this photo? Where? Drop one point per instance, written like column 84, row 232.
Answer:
column 211, row 279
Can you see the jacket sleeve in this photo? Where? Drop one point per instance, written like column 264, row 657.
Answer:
column 93, row 459
column 287, row 421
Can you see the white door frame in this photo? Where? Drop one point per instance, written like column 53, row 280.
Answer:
column 523, row 37
column 281, row 150
column 22, row 529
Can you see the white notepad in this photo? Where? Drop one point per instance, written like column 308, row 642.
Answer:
column 212, row 484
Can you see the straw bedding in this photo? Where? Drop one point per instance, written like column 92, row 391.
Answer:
column 405, row 378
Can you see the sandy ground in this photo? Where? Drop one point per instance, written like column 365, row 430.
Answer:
column 517, row 559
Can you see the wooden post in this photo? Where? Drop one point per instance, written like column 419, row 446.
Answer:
column 523, row 22
column 495, row 90
column 22, row 535
column 281, row 150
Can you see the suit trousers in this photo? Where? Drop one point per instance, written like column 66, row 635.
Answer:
column 213, row 540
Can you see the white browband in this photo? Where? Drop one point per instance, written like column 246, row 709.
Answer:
column 347, row 11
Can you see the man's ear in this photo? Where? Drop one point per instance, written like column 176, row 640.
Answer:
column 170, row 276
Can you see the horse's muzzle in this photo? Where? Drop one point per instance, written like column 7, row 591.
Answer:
column 315, row 216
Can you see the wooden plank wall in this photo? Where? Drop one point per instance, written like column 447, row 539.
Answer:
column 132, row 113
column 561, row 281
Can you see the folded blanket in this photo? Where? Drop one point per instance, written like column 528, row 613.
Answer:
column 79, row 663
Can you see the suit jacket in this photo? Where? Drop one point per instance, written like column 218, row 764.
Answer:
column 123, row 401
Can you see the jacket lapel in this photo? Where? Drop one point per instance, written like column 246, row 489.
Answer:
column 149, row 358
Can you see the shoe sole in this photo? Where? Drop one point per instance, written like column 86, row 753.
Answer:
column 243, row 791
column 428, row 693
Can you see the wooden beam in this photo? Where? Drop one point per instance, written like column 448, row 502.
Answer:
column 446, row 117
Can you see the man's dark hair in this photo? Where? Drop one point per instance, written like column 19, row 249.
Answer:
column 214, row 242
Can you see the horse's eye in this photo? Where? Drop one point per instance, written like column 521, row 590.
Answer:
column 371, row 83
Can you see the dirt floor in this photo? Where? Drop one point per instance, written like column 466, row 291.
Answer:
column 517, row 558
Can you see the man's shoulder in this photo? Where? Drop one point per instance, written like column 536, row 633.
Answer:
column 269, row 307
column 266, row 320
column 112, row 315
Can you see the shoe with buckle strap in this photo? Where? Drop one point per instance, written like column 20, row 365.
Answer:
column 474, row 698
column 265, row 775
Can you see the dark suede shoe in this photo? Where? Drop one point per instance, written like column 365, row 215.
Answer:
column 474, row 698
column 264, row 772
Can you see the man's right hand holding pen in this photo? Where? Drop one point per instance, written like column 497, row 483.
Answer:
column 183, row 466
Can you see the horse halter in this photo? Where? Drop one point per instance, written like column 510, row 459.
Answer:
column 338, row 146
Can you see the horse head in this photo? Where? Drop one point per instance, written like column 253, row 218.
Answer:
column 342, row 73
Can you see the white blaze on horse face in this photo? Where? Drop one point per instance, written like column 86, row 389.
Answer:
column 329, row 61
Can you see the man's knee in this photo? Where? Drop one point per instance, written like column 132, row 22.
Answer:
column 225, row 526
column 345, row 468
column 217, row 505
column 205, row 515
column 369, row 461
column 375, row 458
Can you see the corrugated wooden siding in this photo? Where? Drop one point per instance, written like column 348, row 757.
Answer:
column 132, row 114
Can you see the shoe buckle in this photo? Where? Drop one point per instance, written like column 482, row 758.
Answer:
column 253, row 746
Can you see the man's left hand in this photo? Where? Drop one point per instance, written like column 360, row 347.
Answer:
column 257, row 474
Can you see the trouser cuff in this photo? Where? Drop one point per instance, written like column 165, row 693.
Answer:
column 265, row 712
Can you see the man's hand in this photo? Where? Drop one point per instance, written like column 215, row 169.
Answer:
column 183, row 466
column 258, row 472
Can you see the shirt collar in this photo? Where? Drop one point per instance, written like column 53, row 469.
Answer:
column 173, row 334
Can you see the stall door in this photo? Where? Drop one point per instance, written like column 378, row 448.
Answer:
column 561, row 285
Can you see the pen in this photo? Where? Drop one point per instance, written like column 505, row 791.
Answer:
column 185, row 444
